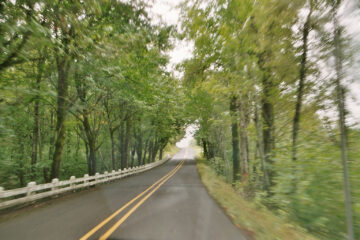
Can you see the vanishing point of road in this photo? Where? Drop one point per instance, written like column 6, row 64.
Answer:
column 168, row 202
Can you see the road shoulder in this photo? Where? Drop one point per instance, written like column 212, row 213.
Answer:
column 254, row 222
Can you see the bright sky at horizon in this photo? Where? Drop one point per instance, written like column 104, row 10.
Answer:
column 189, row 136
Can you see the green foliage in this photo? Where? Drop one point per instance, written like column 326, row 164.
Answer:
column 122, row 107
column 251, row 51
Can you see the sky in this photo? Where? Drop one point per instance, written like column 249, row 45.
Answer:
column 167, row 12
column 189, row 136
column 350, row 18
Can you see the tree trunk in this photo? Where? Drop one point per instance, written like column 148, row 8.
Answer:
column 342, row 124
column 302, row 77
column 36, row 122
column 62, row 89
column 133, row 151
column 92, row 157
column 87, row 155
column 268, row 125
column 127, row 140
column 210, row 148
column 91, row 140
column 206, row 153
column 113, row 162
column 155, row 150
column 125, row 135
column 21, row 171
column 139, row 150
column 244, row 153
column 145, row 152
column 90, row 135
column 260, row 144
column 163, row 143
column 35, row 140
column 51, row 147
column 41, row 145
column 150, row 152
column 235, row 138
column 161, row 154
column 112, row 130
column 122, row 143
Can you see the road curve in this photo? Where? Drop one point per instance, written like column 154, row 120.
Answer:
column 176, row 207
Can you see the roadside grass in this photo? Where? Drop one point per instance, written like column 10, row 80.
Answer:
column 254, row 222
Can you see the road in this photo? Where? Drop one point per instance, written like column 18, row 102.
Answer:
column 176, row 207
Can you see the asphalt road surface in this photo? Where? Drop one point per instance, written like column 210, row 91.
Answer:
column 168, row 202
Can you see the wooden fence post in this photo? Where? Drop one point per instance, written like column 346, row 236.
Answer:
column 29, row 190
column 96, row 177
column 72, row 182
column 86, row 176
column 1, row 193
column 55, row 183
column 106, row 176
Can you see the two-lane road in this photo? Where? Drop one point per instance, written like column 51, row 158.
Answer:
column 167, row 202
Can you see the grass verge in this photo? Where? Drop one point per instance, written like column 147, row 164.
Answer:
column 254, row 222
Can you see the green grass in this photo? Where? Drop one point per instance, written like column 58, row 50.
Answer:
column 254, row 222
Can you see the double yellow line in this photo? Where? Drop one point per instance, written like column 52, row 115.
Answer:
column 153, row 189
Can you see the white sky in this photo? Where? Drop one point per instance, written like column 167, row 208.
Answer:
column 350, row 16
column 166, row 11
column 189, row 136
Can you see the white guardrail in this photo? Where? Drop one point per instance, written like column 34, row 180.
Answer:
column 33, row 192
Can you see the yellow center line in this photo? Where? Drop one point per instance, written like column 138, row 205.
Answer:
column 97, row 227
column 118, row 223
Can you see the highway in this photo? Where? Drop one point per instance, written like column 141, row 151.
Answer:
column 167, row 202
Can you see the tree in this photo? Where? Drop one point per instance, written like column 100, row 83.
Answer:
column 257, row 87
column 340, row 97
column 96, row 57
column 302, row 76
column 15, row 31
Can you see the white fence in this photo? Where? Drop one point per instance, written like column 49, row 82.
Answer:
column 33, row 192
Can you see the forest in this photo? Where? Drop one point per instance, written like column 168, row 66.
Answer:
column 85, row 88
column 261, row 76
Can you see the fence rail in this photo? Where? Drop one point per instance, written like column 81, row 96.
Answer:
column 33, row 192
